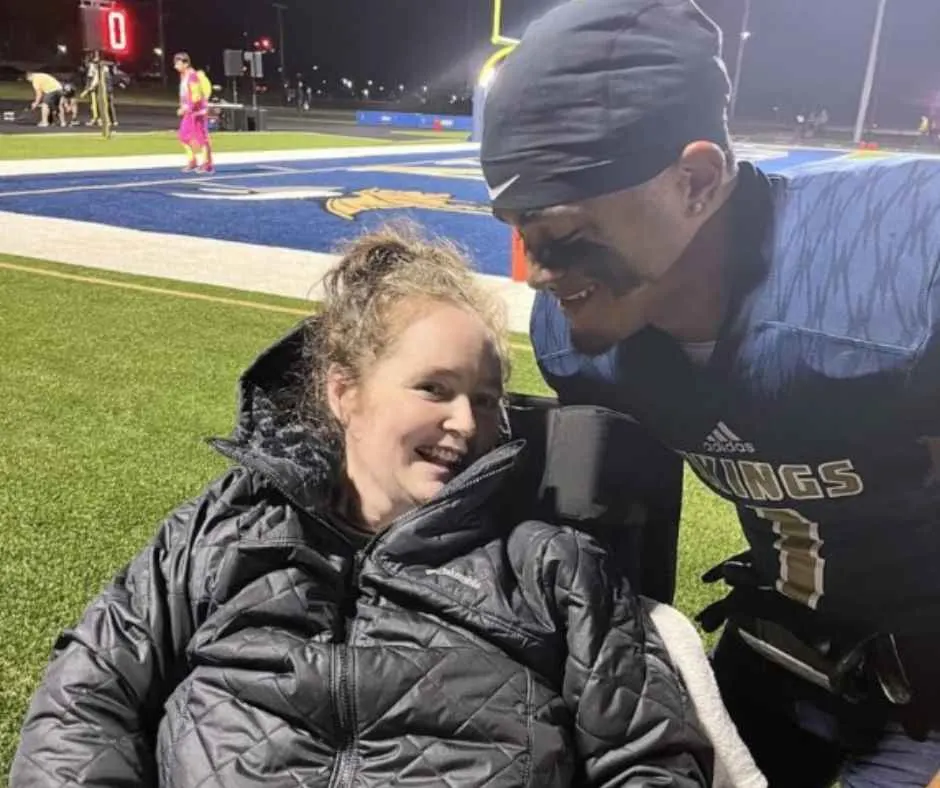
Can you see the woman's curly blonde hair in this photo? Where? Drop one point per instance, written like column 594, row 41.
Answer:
column 381, row 282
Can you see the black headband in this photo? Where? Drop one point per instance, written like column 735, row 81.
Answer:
column 601, row 95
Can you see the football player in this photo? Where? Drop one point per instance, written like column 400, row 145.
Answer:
column 780, row 334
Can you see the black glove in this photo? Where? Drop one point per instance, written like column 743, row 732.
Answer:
column 751, row 597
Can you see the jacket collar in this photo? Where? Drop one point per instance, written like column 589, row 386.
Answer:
column 459, row 517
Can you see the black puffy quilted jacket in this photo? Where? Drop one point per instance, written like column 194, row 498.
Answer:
column 256, row 641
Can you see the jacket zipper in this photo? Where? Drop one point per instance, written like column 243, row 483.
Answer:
column 344, row 769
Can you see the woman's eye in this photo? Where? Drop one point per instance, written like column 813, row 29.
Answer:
column 435, row 390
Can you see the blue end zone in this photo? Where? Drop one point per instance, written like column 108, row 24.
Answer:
column 310, row 205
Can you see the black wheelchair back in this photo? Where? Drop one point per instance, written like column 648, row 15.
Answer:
column 586, row 468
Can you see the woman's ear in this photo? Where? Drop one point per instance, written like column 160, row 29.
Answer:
column 340, row 393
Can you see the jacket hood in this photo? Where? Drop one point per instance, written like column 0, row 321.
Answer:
column 275, row 437
column 271, row 435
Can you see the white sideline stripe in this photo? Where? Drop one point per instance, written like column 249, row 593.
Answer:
column 278, row 168
column 240, row 266
column 175, row 160
column 177, row 178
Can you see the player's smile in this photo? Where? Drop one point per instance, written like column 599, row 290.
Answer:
column 591, row 281
column 577, row 297
column 573, row 302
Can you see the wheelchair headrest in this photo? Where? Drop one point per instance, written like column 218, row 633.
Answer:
column 573, row 465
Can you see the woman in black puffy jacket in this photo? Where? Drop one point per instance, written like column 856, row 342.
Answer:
column 350, row 605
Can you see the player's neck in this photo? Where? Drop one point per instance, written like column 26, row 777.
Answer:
column 695, row 300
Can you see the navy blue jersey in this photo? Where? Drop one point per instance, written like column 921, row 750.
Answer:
column 818, row 415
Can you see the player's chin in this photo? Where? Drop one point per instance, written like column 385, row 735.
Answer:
column 591, row 342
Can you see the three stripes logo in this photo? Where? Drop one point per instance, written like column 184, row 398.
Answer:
column 722, row 440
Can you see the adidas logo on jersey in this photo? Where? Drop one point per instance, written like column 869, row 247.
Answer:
column 722, row 440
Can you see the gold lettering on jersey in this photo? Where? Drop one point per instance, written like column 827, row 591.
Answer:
column 799, row 482
column 841, row 479
column 760, row 480
column 730, row 469
column 707, row 469
column 752, row 480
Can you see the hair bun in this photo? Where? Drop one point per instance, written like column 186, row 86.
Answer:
column 375, row 260
column 371, row 258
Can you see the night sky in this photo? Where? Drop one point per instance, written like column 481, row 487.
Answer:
column 803, row 52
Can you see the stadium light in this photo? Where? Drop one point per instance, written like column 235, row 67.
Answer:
column 62, row 49
column 739, row 62
column 869, row 82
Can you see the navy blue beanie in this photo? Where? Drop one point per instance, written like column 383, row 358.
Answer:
column 599, row 96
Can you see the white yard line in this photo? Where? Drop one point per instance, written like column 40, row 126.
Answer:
column 174, row 160
column 278, row 168
column 177, row 178
column 240, row 266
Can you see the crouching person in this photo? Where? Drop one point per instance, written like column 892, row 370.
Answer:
column 349, row 604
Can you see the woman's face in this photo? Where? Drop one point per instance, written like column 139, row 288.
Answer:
column 421, row 413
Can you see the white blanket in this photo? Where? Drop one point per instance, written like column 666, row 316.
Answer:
column 734, row 766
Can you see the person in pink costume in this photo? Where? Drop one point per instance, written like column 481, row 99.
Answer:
column 194, row 115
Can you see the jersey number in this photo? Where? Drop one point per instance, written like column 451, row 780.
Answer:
column 798, row 543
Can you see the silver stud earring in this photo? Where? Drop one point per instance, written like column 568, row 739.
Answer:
column 697, row 208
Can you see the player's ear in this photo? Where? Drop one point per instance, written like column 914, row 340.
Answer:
column 702, row 167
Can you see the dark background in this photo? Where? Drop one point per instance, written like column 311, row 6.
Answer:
column 802, row 52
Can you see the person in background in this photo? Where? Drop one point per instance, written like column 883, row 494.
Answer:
column 820, row 120
column 360, row 600
column 47, row 92
column 927, row 131
column 101, row 108
column 301, row 92
column 90, row 82
column 110, row 79
column 68, row 104
column 194, row 115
